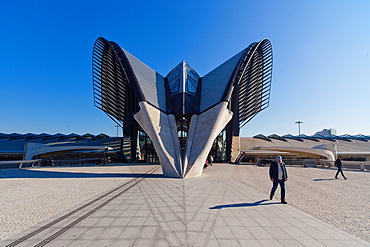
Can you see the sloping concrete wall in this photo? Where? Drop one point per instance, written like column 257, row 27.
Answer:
column 203, row 130
column 162, row 130
column 235, row 148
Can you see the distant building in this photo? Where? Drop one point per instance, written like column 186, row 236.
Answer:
column 73, row 149
column 68, row 149
column 326, row 132
column 300, row 147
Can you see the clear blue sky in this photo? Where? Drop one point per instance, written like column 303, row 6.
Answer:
column 321, row 72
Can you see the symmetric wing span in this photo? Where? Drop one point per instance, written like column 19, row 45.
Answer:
column 252, row 80
column 228, row 97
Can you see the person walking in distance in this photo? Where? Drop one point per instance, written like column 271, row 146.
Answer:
column 338, row 163
column 210, row 160
column 278, row 175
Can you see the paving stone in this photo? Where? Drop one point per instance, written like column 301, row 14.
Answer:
column 217, row 209
column 111, row 233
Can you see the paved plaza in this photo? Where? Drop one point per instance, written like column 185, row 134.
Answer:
column 134, row 205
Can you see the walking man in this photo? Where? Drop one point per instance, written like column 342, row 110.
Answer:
column 278, row 175
column 338, row 163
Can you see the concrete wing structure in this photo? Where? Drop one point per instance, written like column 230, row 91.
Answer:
column 182, row 112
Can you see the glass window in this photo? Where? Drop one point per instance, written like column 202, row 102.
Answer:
column 173, row 74
column 176, row 86
column 191, row 85
column 193, row 74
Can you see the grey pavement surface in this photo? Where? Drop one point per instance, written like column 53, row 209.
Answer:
column 135, row 205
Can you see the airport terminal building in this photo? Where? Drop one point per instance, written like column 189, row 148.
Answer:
column 180, row 119
column 185, row 115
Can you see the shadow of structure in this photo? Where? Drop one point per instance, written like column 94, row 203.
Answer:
column 22, row 173
column 253, row 204
column 323, row 179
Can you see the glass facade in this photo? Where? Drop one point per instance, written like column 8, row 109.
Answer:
column 183, row 79
column 146, row 153
column 182, row 132
column 174, row 80
column 182, row 82
column 191, row 80
column 145, row 150
column 218, row 150
column 175, row 86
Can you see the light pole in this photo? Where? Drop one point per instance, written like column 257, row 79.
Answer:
column 299, row 127
column 117, row 128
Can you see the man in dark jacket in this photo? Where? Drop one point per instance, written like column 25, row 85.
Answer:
column 278, row 175
column 338, row 163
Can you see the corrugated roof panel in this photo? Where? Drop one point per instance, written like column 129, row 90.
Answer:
column 150, row 82
column 215, row 82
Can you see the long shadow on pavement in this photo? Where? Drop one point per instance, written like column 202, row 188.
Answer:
column 21, row 173
column 323, row 179
column 237, row 205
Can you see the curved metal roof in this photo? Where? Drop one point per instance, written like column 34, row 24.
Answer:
column 255, row 81
column 109, row 80
column 277, row 137
column 308, row 137
column 149, row 82
column 216, row 82
column 289, row 136
column 262, row 137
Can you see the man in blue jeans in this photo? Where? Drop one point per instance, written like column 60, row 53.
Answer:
column 278, row 175
column 338, row 163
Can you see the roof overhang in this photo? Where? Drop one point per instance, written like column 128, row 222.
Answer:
column 32, row 149
column 310, row 152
